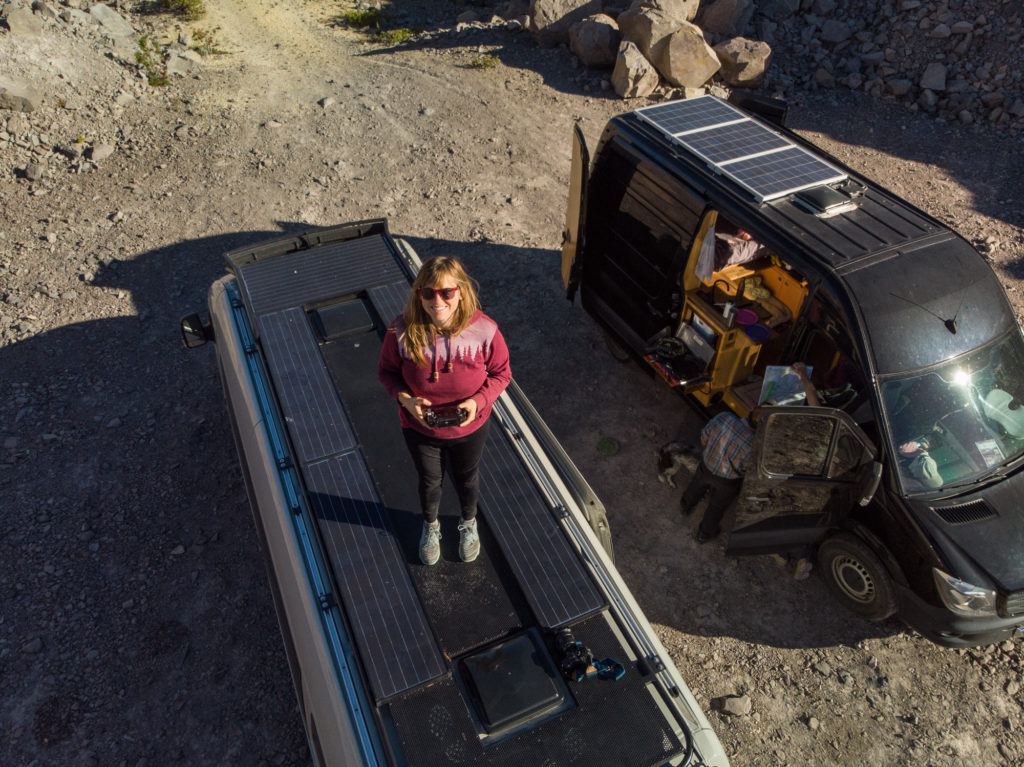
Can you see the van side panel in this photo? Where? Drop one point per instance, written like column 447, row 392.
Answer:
column 320, row 696
column 640, row 224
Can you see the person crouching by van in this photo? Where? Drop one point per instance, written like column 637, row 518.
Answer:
column 443, row 353
column 727, row 442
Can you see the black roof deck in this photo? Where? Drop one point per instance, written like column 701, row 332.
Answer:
column 410, row 623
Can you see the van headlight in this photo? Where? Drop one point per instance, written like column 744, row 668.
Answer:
column 964, row 598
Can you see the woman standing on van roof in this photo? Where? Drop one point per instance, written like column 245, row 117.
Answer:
column 440, row 354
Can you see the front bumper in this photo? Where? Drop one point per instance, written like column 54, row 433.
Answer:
column 950, row 630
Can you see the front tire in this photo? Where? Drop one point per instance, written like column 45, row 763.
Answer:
column 857, row 576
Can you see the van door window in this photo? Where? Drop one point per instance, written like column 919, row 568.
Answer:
column 797, row 444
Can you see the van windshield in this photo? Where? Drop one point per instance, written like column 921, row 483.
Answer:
column 961, row 420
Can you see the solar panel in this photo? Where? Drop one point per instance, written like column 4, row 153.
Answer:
column 313, row 414
column 389, row 300
column 780, row 173
column 393, row 635
column 318, row 274
column 741, row 148
column 690, row 114
column 543, row 561
column 724, row 143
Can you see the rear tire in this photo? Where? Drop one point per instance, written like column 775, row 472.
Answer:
column 857, row 576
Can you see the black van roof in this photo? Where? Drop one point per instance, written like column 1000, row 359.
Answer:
column 898, row 300
column 880, row 222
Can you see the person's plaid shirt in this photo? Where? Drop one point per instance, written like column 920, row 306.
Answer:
column 728, row 443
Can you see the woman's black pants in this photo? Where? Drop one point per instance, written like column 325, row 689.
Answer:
column 461, row 456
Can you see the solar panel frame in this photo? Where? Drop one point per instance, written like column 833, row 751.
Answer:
column 695, row 123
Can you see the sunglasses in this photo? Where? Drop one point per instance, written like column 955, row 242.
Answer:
column 446, row 294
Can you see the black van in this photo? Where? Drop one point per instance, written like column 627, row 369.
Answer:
column 716, row 245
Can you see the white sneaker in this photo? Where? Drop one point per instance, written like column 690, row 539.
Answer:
column 430, row 543
column 469, row 541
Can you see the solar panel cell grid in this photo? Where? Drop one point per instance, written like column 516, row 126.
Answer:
column 691, row 114
column 556, row 586
column 395, row 641
column 314, row 415
column 730, row 142
column 782, row 172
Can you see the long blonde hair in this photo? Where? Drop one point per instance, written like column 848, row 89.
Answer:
column 419, row 331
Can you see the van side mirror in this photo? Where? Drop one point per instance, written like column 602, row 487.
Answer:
column 871, row 479
column 194, row 332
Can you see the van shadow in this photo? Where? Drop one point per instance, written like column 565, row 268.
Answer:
column 987, row 164
column 121, row 481
column 561, row 361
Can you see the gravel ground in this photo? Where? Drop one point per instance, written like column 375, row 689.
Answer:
column 136, row 626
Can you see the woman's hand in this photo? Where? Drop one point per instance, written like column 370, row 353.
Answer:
column 414, row 405
column 469, row 406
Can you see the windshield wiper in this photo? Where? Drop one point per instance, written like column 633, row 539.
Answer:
column 996, row 473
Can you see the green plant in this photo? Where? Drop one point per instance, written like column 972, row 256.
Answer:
column 148, row 57
column 204, row 42
column 360, row 19
column 483, row 61
column 394, row 36
column 190, row 10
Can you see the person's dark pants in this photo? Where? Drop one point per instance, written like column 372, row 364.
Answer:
column 461, row 456
column 721, row 492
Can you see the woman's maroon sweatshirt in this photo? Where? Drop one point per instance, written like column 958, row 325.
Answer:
column 471, row 364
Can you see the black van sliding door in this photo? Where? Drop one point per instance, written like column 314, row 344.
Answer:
column 640, row 223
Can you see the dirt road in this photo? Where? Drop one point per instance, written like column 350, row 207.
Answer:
column 136, row 624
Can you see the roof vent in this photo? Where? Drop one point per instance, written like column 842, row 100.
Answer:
column 965, row 513
column 824, row 201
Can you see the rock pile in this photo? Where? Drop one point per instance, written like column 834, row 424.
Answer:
column 957, row 59
column 656, row 40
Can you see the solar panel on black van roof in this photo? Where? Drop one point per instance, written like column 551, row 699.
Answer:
column 746, row 150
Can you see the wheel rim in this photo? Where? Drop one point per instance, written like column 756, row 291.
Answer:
column 853, row 578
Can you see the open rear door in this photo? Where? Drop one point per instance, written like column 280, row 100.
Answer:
column 574, row 212
column 810, row 467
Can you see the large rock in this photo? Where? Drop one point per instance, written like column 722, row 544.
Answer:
column 726, row 17
column 648, row 23
column 18, row 98
column 182, row 63
column 834, row 31
column 744, row 61
column 112, row 21
column 685, row 58
column 778, row 10
column 934, row 77
column 23, row 23
column 633, row 76
column 550, row 20
column 595, row 41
